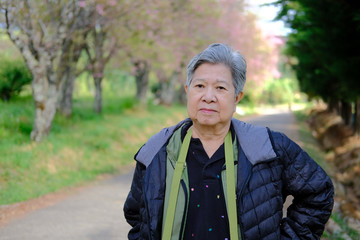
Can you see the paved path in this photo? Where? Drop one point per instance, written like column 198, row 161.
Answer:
column 95, row 213
column 282, row 121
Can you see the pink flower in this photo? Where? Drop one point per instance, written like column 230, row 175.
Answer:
column 275, row 73
column 82, row 3
column 100, row 9
column 112, row 2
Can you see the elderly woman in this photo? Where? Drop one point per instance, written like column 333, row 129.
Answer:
column 214, row 177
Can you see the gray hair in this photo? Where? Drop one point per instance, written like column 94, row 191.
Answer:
column 221, row 53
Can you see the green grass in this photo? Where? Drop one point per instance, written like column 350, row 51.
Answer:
column 311, row 146
column 78, row 149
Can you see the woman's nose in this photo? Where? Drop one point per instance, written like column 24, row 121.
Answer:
column 209, row 95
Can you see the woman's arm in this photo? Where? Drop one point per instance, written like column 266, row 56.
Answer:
column 134, row 203
column 311, row 188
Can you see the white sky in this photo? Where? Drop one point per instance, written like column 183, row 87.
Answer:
column 266, row 14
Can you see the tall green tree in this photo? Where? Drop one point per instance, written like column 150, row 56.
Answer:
column 325, row 40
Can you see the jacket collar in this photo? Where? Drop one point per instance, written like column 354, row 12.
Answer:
column 254, row 140
column 148, row 151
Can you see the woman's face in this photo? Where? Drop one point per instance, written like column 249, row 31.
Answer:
column 211, row 96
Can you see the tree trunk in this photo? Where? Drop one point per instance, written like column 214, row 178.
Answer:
column 66, row 93
column 142, row 69
column 98, row 75
column 98, row 95
column 346, row 112
column 45, row 99
column 67, row 70
column 357, row 117
column 167, row 89
column 333, row 106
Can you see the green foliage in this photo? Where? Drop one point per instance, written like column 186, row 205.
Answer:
column 279, row 91
column 115, row 83
column 14, row 75
column 325, row 40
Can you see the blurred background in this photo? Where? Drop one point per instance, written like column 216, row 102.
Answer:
column 84, row 83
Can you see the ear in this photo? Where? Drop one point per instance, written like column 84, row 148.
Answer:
column 239, row 97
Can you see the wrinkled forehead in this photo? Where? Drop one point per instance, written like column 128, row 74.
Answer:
column 215, row 71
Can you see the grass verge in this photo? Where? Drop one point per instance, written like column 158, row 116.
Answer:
column 78, row 149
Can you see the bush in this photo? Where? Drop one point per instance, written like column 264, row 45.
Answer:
column 14, row 75
column 279, row 91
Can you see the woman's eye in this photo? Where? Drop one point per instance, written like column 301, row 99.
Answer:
column 199, row 86
column 221, row 88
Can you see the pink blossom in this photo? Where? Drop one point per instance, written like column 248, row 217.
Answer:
column 275, row 73
column 82, row 3
column 100, row 9
column 150, row 34
column 112, row 2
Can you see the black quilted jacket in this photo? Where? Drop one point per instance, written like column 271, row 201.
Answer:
column 270, row 167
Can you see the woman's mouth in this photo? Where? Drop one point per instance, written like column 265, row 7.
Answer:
column 207, row 110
